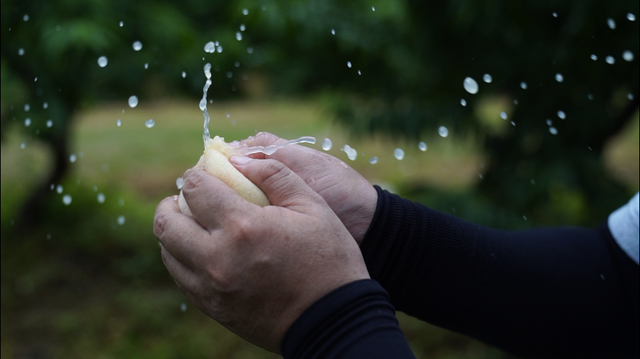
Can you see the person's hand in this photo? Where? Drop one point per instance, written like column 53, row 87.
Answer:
column 348, row 194
column 255, row 269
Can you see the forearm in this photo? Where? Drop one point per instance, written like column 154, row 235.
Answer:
column 550, row 292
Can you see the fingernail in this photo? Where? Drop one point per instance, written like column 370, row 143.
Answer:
column 240, row 160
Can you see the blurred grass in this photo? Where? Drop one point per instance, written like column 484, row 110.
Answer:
column 82, row 285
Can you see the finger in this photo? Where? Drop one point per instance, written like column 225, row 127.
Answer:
column 179, row 234
column 185, row 277
column 281, row 185
column 212, row 202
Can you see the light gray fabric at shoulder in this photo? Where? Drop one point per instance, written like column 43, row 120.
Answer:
column 623, row 224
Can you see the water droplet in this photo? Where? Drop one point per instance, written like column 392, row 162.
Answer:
column 524, row 217
column 352, row 154
column 398, row 153
column 179, row 182
column 203, row 104
column 513, row 123
column 559, row 77
column 594, row 57
column 27, row 122
column 102, row 61
column 480, row 175
column 242, row 27
column 121, row 23
column 59, row 189
column 183, row 307
column 207, row 71
column 133, row 101
column 250, row 50
column 359, row 72
column 238, row 36
column 72, row 158
column 555, row 14
column 349, row 64
column 487, row 78
column 20, row 51
column 66, row 199
column 533, row 182
column 121, row 202
column 561, row 115
column 590, row 96
column 101, row 198
column 119, row 122
column 237, row 64
column 184, row 74
column 373, row 8
column 630, row 96
column 631, row 17
column 627, row 56
column 523, row 85
column 463, row 102
column 27, row 107
column 373, row 160
column 610, row 60
column 210, row 47
column 611, row 23
column 443, row 131
column 327, row 144
column 245, row 11
column 515, row 102
column 333, row 31
column 549, row 122
column 219, row 49
column 121, row 220
column 137, row 46
column 25, row 17
column 45, row 105
column 22, row 145
column 422, row 146
column 146, row 65
column 503, row 115
column 602, row 276
column 49, row 123
column 48, row 235
column 470, row 85
column 229, row 74
column 149, row 123
column 553, row 130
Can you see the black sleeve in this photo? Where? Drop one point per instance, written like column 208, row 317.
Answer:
column 556, row 292
column 353, row 321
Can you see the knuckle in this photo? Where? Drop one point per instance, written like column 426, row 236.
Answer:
column 160, row 223
column 192, row 182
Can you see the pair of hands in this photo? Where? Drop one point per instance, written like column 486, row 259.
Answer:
column 256, row 269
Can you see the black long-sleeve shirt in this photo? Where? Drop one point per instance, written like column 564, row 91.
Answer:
column 556, row 292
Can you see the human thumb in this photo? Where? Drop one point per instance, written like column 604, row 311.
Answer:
column 282, row 186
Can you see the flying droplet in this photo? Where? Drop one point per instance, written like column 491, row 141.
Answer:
column 631, row 17
column 238, row 36
column 590, row 96
column 327, row 144
column 422, row 146
column 242, row 27
column 121, row 220
column 229, row 74
column 463, row 102
column 373, row 160
column 20, row 51
column 137, row 46
column 183, row 307
column 553, row 130
column 102, row 61
column 184, row 74
column 27, row 122
column 121, row 24
column 179, row 182
column 487, row 78
column 349, row 64
column 554, row 14
column 133, row 101
column 559, row 77
column 25, row 17
column 146, row 65
column 523, row 85
column 27, row 107
column 513, row 123
column 101, row 198
column 149, row 123
column 562, row 115
column 119, row 123
column 210, row 47
column 245, row 11
column 359, row 72
column 443, row 131
column 49, row 123
column 373, row 8
column 219, row 49
column 45, row 105
column 594, row 57
column 611, row 23
column 549, row 122
column 610, row 60
column 333, row 31
column 398, row 153
column 59, row 189
column 503, row 115
column 630, row 96
column 250, row 50
column 66, row 199
column 352, row 154
column 72, row 158
column 470, row 85
column 627, row 56
column 22, row 145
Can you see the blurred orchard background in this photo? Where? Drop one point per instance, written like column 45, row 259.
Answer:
column 528, row 112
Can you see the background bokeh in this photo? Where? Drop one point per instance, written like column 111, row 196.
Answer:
column 549, row 137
